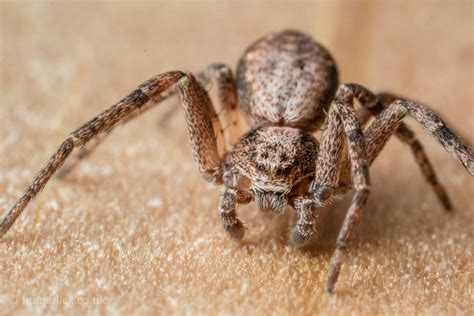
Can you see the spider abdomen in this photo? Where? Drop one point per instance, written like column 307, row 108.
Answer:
column 286, row 79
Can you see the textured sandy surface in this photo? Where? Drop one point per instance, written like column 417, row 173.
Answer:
column 135, row 229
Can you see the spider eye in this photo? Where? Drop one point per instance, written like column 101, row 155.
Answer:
column 261, row 168
column 283, row 171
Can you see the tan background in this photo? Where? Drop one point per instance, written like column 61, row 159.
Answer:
column 135, row 229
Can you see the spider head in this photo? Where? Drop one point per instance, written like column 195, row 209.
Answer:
column 274, row 160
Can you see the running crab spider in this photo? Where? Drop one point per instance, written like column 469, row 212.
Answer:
column 287, row 87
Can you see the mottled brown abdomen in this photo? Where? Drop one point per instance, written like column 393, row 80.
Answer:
column 286, row 79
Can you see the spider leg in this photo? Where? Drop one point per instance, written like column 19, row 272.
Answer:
column 86, row 149
column 387, row 122
column 227, row 93
column 378, row 133
column 305, row 228
column 360, row 180
column 341, row 125
column 375, row 105
column 329, row 161
column 80, row 154
column 228, row 211
column 198, row 109
column 326, row 183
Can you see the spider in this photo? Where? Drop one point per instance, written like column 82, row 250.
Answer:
column 287, row 87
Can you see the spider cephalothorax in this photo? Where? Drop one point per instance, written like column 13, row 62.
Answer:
column 287, row 87
column 275, row 160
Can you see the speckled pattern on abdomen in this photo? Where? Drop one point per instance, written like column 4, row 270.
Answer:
column 286, row 79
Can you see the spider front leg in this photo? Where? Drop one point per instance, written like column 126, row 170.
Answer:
column 360, row 181
column 341, row 124
column 88, row 148
column 329, row 159
column 326, row 183
column 200, row 118
column 227, row 93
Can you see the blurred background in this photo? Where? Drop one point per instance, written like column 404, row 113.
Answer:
column 136, row 225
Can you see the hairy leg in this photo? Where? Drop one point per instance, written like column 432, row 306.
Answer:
column 326, row 183
column 379, row 132
column 227, row 93
column 305, row 229
column 342, row 125
column 86, row 149
column 228, row 211
column 197, row 107
column 375, row 104
column 82, row 153
column 360, row 181
column 330, row 157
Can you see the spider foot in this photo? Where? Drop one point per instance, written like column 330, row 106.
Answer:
column 233, row 226
column 302, row 234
